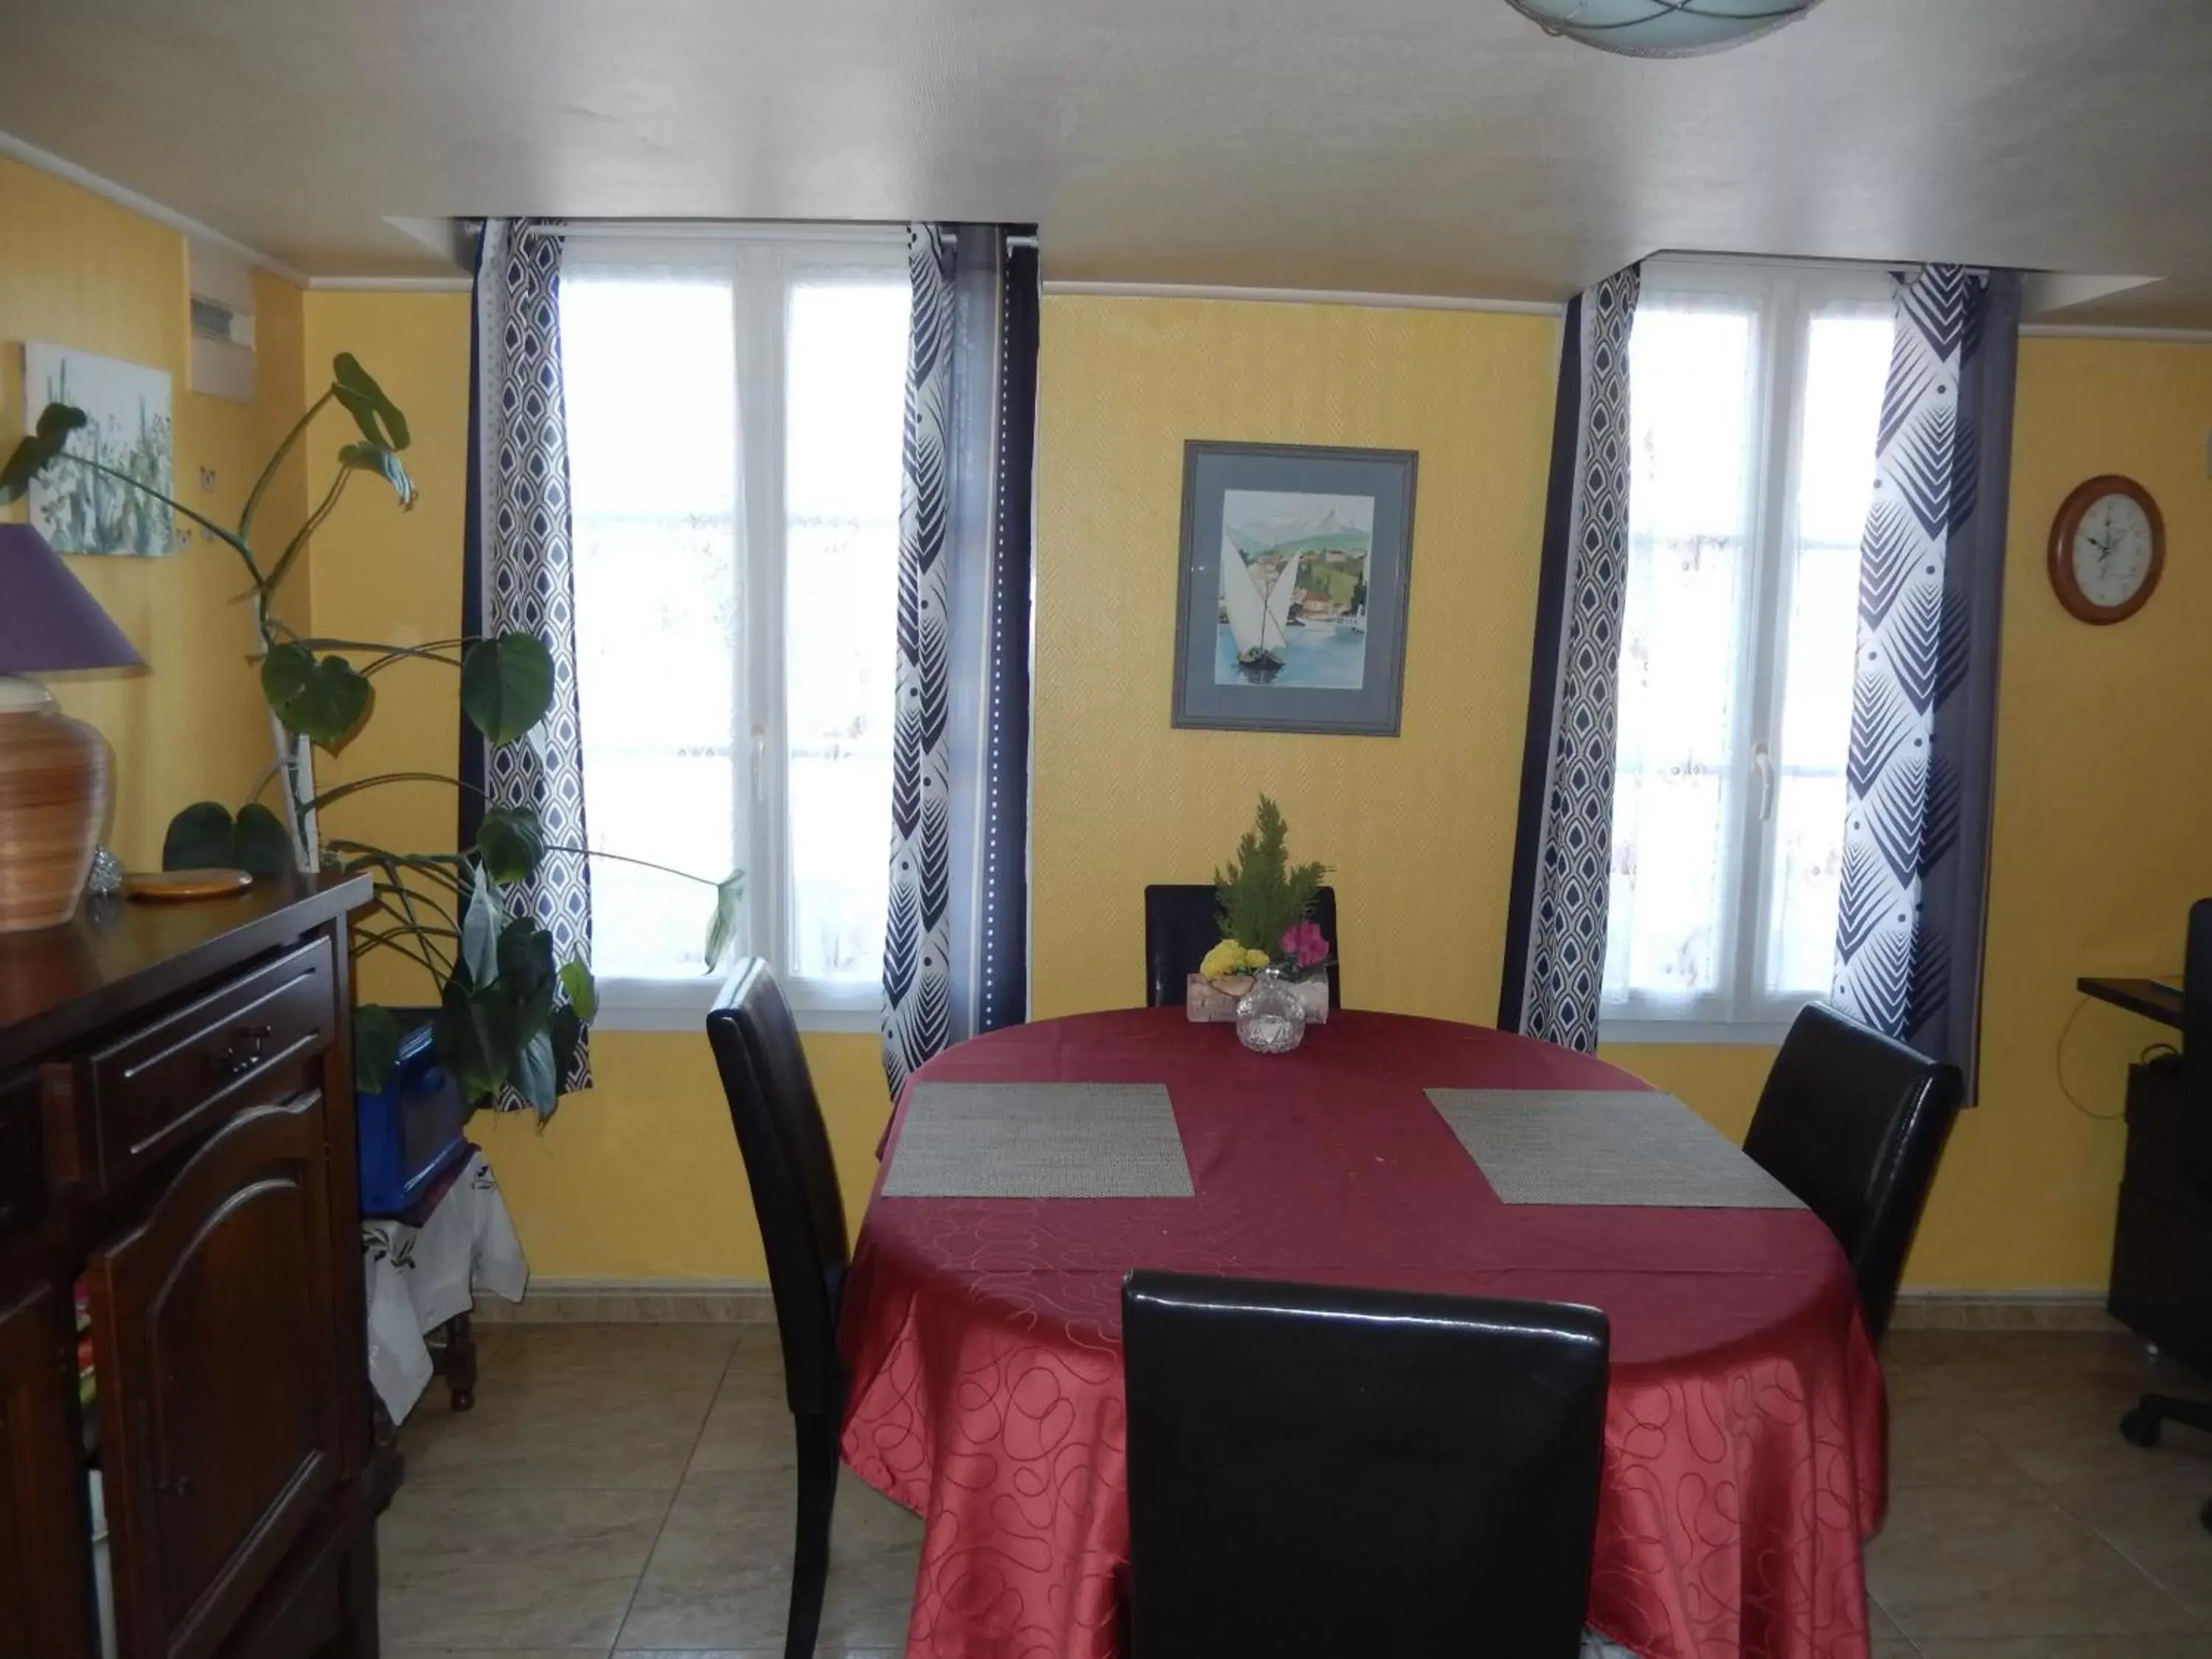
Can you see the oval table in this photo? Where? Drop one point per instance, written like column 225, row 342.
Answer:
column 1746, row 1422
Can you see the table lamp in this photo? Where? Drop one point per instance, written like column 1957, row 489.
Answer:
column 53, row 769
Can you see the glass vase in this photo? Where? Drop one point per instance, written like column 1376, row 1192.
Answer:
column 1271, row 1017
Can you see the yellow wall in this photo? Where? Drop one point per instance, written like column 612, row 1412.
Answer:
column 1419, row 827
column 2104, row 776
column 79, row 271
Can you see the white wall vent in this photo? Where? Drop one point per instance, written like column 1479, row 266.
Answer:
column 223, row 322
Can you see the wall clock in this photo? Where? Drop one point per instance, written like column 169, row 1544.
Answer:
column 2107, row 549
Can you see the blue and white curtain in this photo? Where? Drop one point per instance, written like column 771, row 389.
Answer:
column 956, row 946
column 1911, row 911
column 520, row 571
column 1563, row 853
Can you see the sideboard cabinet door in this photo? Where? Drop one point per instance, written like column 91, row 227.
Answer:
column 215, row 1322
column 46, row 1595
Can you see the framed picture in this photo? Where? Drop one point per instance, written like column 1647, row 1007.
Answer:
column 1291, row 616
column 76, row 509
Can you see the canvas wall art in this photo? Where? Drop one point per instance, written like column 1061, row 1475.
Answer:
column 77, row 509
column 1292, row 610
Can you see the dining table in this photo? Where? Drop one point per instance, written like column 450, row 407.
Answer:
column 1746, row 1422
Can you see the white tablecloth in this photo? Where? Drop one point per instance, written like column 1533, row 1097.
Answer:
column 418, row 1278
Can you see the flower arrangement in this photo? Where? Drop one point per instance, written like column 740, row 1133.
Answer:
column 1265, row 905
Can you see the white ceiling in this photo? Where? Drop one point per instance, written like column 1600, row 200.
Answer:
column 1442, row 147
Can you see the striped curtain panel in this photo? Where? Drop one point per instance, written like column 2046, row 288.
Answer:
column 1914, row 886
column 1562, row 853
column 956, row 946
column 519, row 570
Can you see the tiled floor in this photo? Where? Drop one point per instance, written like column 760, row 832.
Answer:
column 629, row 1488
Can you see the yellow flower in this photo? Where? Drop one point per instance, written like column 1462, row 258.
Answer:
column 1223, row 959
column 1257, row 958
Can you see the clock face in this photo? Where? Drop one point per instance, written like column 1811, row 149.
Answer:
column 2111, row 552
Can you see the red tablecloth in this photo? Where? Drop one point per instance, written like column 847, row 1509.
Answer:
column 1744, row 1436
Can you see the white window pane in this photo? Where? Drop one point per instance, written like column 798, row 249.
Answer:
column 1691, row 409
column 651, row 365
column 1847, row 362
column 844, row 406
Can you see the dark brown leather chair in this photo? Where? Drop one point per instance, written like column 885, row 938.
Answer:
column 1854, row 1122
column 1182, row 925
column 1321, row 1472
column 802, row 1221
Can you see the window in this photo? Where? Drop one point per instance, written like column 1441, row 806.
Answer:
column 1754, row 397
column 736, row 409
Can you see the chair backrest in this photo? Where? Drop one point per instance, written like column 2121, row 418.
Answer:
column 1854, row 1122
column 1182, row 925
column 1318, row 1471
column 2196, row 1049
column 794, row 1183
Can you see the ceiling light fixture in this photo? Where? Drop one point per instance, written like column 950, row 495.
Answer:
column 1662, row 28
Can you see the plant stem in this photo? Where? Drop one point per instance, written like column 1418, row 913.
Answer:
column 199, row 518
column 269, row 472
column 360, row 784
column 298, row 545
column 625, row 858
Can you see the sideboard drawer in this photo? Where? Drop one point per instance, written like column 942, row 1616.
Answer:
column 22, row 1165
column 172, row 1079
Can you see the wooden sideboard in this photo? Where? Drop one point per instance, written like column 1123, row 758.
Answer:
column 177, row 1138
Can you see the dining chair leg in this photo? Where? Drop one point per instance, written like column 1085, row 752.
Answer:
column 810, row 1556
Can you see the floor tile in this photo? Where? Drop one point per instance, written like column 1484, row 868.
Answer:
column 1936, row 1441
column 1879, row 1625
column 720, row 1575
column 468, row 1567
column 2154, row 1524
column 2069, row 1647
column 2006, row 1561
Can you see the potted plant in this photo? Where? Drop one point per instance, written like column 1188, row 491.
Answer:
column 1264, row 905
column 509, row 1017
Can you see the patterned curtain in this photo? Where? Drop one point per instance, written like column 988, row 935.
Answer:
column 956, row 948
column 519, row 570
column 1911, row 915
column 1563, row 853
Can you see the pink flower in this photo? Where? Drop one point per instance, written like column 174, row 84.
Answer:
column 1305, row 946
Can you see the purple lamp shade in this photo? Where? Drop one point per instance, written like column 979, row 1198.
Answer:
column 47, row 621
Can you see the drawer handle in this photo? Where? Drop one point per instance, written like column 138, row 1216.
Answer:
column 247, row 1049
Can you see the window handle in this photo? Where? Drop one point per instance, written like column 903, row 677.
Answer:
column 1762, row 761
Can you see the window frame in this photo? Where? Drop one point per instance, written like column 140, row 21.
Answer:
column 1785, row 299
column 764, row 265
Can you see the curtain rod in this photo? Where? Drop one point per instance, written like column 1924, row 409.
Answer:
column 828, row 230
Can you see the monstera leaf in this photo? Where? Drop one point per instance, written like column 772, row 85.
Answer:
column 506, row 685
column 511, row 843
column 204, row 836
column 38, row 449
column 327, row 700
column 386, row 463
column 358, row 394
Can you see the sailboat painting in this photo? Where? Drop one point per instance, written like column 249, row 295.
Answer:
column 1291, row 606
column 1293, row 609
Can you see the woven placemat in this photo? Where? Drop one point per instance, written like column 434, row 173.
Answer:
column 1039, row 1141
column 1604, row 1147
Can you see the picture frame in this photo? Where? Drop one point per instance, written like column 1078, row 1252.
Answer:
column 129, row 427
column 1314, row 639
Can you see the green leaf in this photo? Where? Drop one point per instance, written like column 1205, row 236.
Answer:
column 376, row 414
column 526, row 964
column 473, row 1033
column 510, row 843
column 723, row 931
column 480, row 930
column 567, row 1032
column 259, row 842
column 384, row 463
column 506, row 685
column 38, row 449
column 324, row 701
column 201, row 838
column 376, row 1047
column 535, row 1079
column 580, row 988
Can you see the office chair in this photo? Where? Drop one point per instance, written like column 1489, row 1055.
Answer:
column 1180, row 927
column 1854, row 1122
column 1317, row 1472
column 786, row 1149
column 2140, row 1423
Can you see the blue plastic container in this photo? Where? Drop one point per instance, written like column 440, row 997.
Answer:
column 410, row 1130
